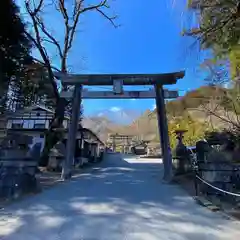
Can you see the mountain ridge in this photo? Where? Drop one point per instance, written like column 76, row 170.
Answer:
column 146, row 124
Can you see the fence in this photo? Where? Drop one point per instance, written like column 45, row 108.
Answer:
column 218, row 180
column 214, row 179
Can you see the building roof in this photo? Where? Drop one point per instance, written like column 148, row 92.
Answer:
column 43, row 131
column 38, row 106
column 120, row 135
column 34, row 108
column 92, row 133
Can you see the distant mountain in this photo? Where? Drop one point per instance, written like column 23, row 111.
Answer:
column 194, row 99
column 102, row 126
column 116, row 120
column 195, row 104
column 99, row 125
column 118, row 115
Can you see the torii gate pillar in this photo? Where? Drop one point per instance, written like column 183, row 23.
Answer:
column 72, row 132
column 163, row 133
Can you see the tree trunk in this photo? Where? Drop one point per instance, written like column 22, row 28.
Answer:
column 54, row 133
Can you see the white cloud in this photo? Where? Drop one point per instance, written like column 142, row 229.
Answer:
column 153, row 106
column 100, row 114
column 115, row 109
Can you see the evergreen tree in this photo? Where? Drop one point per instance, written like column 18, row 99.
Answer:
column 14, row 47
column 219, row 29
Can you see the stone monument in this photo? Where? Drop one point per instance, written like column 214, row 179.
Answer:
column 182, row 155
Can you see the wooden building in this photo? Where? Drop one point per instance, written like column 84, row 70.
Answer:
column 34, row 122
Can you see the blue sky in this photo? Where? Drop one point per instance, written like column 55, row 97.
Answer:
column 148, row 41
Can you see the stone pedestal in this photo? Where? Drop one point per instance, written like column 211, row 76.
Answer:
column 57, row 157
column 17, row 173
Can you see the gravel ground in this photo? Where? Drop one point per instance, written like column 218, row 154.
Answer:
column 123, row 198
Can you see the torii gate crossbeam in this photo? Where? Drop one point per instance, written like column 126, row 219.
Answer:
column 150, row 94
column 118, row 80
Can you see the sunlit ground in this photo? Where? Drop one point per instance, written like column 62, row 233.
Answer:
column 122, row 199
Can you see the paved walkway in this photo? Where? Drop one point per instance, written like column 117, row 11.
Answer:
column 124, row 199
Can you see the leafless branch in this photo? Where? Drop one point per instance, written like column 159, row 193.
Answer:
column 52, row 39
column 41, row 33
column 36, row 8
column 110, row 19
column 214, row 113
column 43, row 64
column 47, row 40
column 71, row 26
column 64, row 12
column 38, row 45
column 235, row 111
column 98, row 8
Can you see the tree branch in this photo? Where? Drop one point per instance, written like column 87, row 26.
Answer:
column 110, row 19
column 70, row 30
column 64, row 12
column 77, row 12
column 97, row 7
column 37, row 43
column 213, row 112
column 41, row 62
column 232, row 15
column 36, row 9
column 235, row 111
column 53, row 39
column 212, row 29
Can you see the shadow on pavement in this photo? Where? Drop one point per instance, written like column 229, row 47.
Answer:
column 121, row 199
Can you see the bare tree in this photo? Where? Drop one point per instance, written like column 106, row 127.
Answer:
column 41, row 36
column 224, row 105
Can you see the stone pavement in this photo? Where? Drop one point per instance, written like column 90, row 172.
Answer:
column 122, row 199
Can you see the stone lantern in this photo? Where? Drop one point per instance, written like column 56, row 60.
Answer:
column 180, row 135
column 181, row 152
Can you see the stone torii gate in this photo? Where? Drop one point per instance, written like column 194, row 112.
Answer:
column 118, row 81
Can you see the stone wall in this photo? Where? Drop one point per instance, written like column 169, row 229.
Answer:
column 217, row 168
column 18, row 167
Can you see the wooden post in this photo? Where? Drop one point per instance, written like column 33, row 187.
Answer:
column 71, row 140
column 114, row 142
column 163, row 132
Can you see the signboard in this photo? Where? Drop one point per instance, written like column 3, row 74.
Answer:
column 118, row 86
column 170, row 94
column 134, row 94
